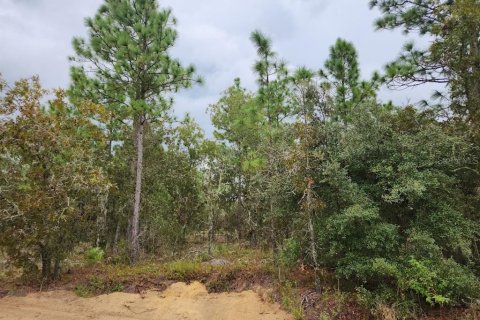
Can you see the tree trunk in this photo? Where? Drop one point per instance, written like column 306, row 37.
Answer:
column 102, row 220
column 273, row 235
column 56, row 269
column 313, row 249
column 115, row 239
column 309, row 200
column 46, row 263
column 210, row 231
column 139, row 124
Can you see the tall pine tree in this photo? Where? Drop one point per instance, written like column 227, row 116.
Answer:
column 125, row 64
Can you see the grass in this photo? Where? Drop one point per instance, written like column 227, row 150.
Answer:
column 291, row 300
column 94, row 287
column 247, row 268
column 241, row 263
column 244, row 268
column 185, row 270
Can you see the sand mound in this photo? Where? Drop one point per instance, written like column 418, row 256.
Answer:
column 179, row 301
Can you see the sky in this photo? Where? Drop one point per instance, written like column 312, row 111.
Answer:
column 36, row 36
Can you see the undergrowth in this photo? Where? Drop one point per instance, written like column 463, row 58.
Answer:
column 240, row 268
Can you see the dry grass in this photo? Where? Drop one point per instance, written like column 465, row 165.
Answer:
column 243, row 269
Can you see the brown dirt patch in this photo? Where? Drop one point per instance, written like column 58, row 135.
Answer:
column 179, row 301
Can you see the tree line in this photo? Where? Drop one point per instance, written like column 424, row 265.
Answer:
column 311, row 164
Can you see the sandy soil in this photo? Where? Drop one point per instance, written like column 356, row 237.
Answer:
column 179, row 301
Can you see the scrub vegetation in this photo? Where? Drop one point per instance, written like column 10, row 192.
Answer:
column 312, row 191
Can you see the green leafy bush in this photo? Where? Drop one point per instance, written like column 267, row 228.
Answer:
column 437, row 282
column 94, row 255
column 290, row 253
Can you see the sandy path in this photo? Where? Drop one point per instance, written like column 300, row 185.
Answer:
column 179, row 301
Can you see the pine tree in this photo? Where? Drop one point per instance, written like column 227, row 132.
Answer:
column 272, row 93
column 125, row 64
column 453, row 57
column 237, row 120
column 342, row 72
column 306, row 98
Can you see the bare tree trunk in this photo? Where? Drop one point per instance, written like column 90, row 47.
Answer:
column 139, row 124
column 56, row 269
column 101, row 220
column 210, row 231
column 46, row 263
column 115, row 239
column 309, row 197
column 313, row 247
column 273, row 235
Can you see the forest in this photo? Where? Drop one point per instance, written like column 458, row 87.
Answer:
column 312, row 170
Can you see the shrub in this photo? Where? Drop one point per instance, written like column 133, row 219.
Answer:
column 436, row 281
column 184, row 270
column 290, row 253
column 94, row 255
column 291, row 300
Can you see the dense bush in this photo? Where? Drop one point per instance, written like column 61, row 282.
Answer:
column 409, row 227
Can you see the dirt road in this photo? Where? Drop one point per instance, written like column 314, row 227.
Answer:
column 179, row 301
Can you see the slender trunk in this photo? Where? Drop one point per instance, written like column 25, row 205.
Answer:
column 101, row 220
column 239, row 225
column 115, row 239
column 184, row 233
column 253, row 230
column 210, row 231
column 139, row 124
column 273, row 236
column 97, row 241
column 309, row 195
column 473, row 83
column 56, row 269
column 313, row 247
column 214, row 199
column 46, row 263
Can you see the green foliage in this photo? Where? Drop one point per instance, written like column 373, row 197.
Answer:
column 310, row 164
column 97, row 285
column 125, row 64
column 94, row 255
column 172, row 206
column 219, row 250
column 436, row 281
column 384, row 303
column 291, row 300
column 406, row 224
column 424, row 281
column 451, row 59
column 51, row 182
column 342, row 73
column 82, row 291
column 183, row 269
column 384, row 189
column 420, row 15
column 124, row 39
column 290, row 253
